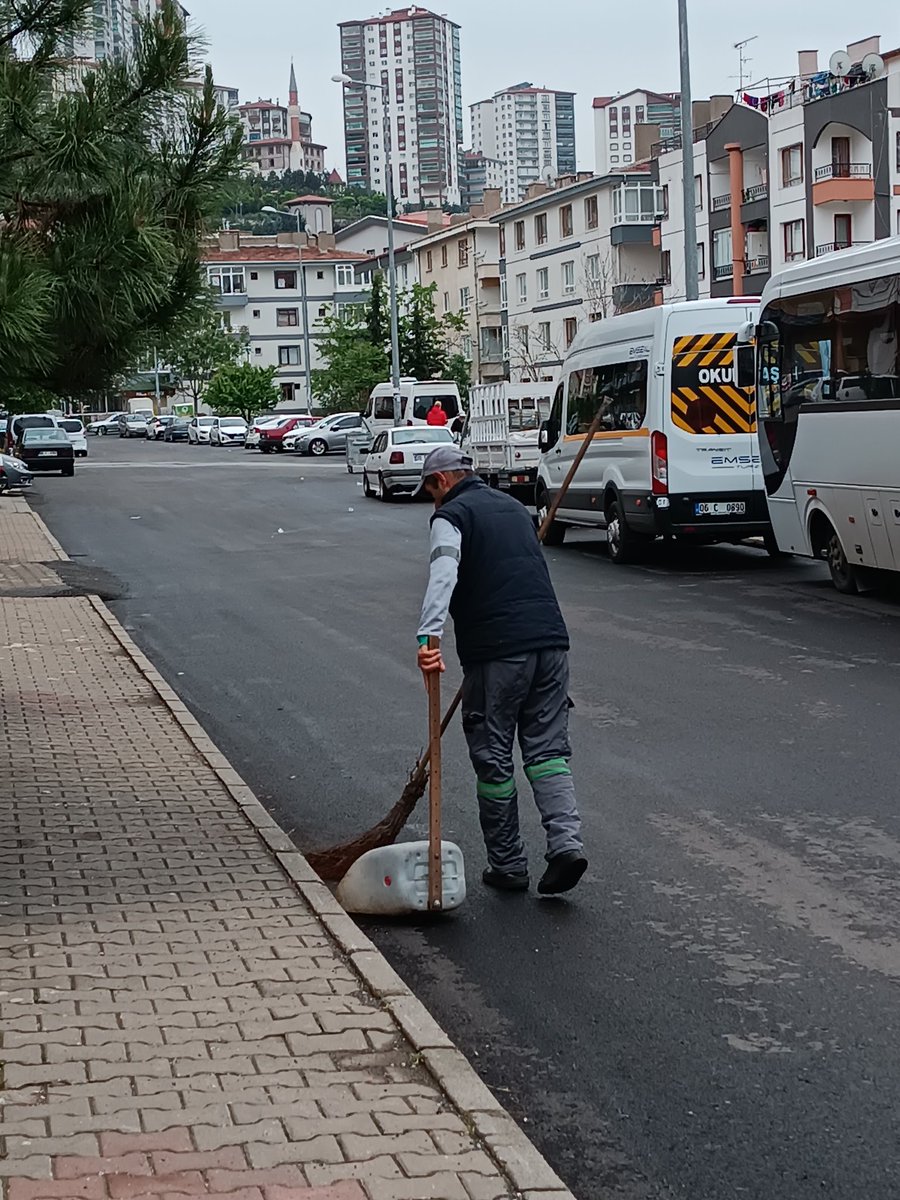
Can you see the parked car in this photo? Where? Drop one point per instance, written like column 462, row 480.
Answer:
column 198, row 430
column 156, row 427
column 18, row 422
column 43, row 449
column 325, row 437
column 228, row 431
column 395, row 461
column 75, row 432
column 105, row 425
column 251, row 442
column 177, row 430
column 13, row 474
column 271, row 436
column 134, row 424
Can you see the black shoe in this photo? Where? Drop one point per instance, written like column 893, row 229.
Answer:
column 519, row 882
column 563, row 872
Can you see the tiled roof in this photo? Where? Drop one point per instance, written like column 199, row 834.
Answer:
column 667, row 97
column 310, row 200
column 277, row 254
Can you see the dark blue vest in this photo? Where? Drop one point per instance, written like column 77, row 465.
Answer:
column 503, row 603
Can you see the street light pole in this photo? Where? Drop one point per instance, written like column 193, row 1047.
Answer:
column 286, row 212
column 348, row 81
column 691, row 284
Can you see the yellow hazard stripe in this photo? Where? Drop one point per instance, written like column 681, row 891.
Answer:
column 745, row 403
column 741, row 422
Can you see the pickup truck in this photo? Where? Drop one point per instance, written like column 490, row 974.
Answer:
column 501, row 434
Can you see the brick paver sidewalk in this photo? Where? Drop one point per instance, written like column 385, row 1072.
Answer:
column 179, row 1017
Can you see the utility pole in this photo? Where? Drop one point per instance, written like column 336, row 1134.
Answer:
column 691, row 283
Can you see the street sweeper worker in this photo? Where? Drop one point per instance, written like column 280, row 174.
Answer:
column 488, row 571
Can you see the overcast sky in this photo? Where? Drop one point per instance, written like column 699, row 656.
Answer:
column 591, row 47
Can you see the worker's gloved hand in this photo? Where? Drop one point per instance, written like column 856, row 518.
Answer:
column 430, row 661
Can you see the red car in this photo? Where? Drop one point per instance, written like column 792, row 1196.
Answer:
column 271, row 435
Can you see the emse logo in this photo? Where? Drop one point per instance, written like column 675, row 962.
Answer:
column 741, row 461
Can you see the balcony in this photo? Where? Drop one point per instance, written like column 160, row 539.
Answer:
column 725, row 271
column 759, row 191
column 720, row 203
column 833, row 247
column 758, row 265
column 843, row 183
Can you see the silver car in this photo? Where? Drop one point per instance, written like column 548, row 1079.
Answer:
column 326, row 437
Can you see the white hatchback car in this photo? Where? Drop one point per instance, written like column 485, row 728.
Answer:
column 75, row 433
column 228, row 431
column 198, row 431
column 394, row 464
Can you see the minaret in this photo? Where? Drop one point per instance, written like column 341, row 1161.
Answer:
column 294, row 118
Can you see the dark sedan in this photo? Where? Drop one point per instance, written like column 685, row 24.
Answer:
column 46, row 450
column 177, row 430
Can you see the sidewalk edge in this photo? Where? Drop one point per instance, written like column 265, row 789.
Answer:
column 517, row 1157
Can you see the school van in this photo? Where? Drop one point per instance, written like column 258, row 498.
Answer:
column 416, row 398
column 675, row 454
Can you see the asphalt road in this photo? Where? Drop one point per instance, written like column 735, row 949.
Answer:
column 714, row 1012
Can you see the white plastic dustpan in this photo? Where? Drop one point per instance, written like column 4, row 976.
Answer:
column 393, row 880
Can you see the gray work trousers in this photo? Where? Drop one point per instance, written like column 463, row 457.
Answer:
column 528, row 696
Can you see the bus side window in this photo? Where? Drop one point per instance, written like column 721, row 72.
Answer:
column 554, row 420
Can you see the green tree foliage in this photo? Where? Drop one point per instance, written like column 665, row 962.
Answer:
column 103, row 187
column 356, row 347
column 200, row 346
column 242, row 391
column 242, row 201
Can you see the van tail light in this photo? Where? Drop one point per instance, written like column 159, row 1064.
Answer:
column 659, row 463
column 396, row 457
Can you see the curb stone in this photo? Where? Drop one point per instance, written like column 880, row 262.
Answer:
column 511, row 1149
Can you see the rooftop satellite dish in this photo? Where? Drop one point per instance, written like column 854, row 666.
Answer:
column 839, row 63
column 873, row 66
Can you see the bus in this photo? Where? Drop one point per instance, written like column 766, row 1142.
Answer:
column 675, row 455
column 828, row 409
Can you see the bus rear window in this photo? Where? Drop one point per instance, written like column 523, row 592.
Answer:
column 422, row 404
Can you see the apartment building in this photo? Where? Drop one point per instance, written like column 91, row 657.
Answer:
column 581, row 251
column 462, row 260
column 278, row 138
column 809, row 168
column 530, row 130
column 413, row 56
column 477, row 174
column 615, row 125
column 279, row 290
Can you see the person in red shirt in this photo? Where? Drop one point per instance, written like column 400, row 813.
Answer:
column 436, row 414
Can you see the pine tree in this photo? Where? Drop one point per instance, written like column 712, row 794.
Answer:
column 104, row 182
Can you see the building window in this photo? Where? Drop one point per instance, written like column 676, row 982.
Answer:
column 540, row 228
column 723, row 259
column 626, row 120
column 698, row 192
column 444, row 255
column 544, row 335
column 570, row 328
column 664, row 201
column 592, row 268
column 898, row 152
column 344, row 274
column 429, row 261
column 794, row 240
column 288, row 356
column 543, row 283
column 503, row 241
column 566, row 227
column 843, row 230
column 285, row 280
column 465, row 299
column 257, row 313
column 522, row 337
column 446, row 302
column 522, row 289
column 639, row 114
column 286, row 316
column 228, row 281
column 287, row 393
column 613, row 122
column 520, row 235
column 701, row 260
column 591, row 215
column 568, row 278
column 665, row 267
column 792, row 165
column 463, row 251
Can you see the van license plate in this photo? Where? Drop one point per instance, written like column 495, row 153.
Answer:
column 720, row 508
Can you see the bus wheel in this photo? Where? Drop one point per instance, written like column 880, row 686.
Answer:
column 621, row 542
column 556, row 534
column 843, row 574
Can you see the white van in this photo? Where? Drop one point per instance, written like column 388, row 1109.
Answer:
column 676, row 452
column 416, row 399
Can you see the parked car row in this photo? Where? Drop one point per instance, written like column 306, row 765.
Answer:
column 39, row 442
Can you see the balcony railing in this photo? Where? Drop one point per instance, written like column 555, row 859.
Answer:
column 725, row 271
column 831, row 247
column 843, row 170
column 721, row 202
column 756, row 265
column 759, row 191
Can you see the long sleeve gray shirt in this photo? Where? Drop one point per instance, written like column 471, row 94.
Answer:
column 446, row 548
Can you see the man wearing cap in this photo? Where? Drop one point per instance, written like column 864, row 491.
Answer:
column 488, row 571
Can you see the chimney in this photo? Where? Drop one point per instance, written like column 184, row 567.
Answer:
column 435, row 219
column 808, row 62
column 325, row 241
column 701, row 111
column 476, row 210
column 535, row 189
column 229, row 239
column 492, row 200
column 719, row 105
